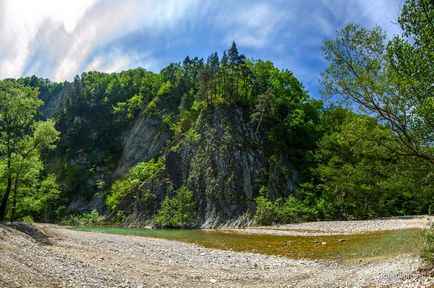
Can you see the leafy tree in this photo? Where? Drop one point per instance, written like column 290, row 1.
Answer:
column 41, row 201
column 262, row 108
column 393, row 80
column 21, row 137
column 177, row 211
column 357, row 177
column 139, row 175
column 26, row 162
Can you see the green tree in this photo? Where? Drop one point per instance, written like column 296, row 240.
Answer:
column 360, row 177
column 391, row 79
column 21, row 137
column 178, row 211
column 262, row 109
column 135, row 182
column 26, row 161
column 42, row 201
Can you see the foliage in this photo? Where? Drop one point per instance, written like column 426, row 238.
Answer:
column 266, row 211
column 192, row 137
column 134, row 182
column 44, row 203
column 28, row 219
column 428, row 251
column 360, row 177
column 281, row 211
column 92, row 218
column 178, row 211
column 393, row 80
column 22, row 140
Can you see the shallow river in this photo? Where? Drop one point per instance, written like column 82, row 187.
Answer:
column 346, row 248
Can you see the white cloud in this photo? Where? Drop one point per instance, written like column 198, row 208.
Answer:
column 59, row 39
column 382, row 13
column 253, row 25
column 77, row 30
column 115, row 61
column 21, row 21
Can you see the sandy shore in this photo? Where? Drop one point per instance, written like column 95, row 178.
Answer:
column 59, row 257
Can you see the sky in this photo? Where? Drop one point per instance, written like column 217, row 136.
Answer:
column 58, row 39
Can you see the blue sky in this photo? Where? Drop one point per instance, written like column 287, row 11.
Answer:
column 58, row 39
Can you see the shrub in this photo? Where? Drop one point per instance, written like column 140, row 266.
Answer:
column 293, row 211
column 279, row 211
column 91, row 218
column 177, row 211
column 141, row 173
column 266, row 211
column 428, row 251
column 28, row 219
column 192, row 137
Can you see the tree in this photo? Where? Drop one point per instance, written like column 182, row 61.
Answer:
column 391, row 80
column 263, row 108
column 22, row 137
column 178, row 211
column 362, row 178
column 27, row 156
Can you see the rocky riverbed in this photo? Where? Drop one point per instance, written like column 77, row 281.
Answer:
column 53, row 256
column 323, row 228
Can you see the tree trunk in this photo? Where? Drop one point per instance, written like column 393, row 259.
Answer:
column 5, row 199
column 14, row 199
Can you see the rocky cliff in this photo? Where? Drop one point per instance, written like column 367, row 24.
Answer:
column 221, row 159
column 131, row 140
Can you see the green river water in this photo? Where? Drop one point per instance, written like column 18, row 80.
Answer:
column 345, row 248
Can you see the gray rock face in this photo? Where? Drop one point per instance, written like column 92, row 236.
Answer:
column 223, row 161
column 227, row 166
column 146, row 139
column 51, row 105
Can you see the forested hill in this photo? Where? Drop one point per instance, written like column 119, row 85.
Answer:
column 215, row 133
column 211, row 142
column 228, row 140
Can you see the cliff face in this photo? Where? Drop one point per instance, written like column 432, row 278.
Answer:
column 221, row 159
column 146, row 139
column 227, row 166
column 197, row 132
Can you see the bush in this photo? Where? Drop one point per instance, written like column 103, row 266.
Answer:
column 428, row 251
column 177, row 211
column 279, row 211
column 192, row 137
column 92, row 218
column 141, row 173
column 294, row 211
column 28, row 219
column 266, row 211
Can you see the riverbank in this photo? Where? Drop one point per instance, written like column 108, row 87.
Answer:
column 60, row 257
column 324, row 228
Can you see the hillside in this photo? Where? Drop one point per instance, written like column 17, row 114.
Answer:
column 207, row 143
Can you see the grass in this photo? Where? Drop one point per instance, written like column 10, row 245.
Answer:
column 348, row 248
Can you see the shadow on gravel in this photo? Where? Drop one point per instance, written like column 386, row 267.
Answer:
column 32, row 231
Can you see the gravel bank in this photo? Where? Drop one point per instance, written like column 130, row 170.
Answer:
column 87, row 259
column 323, row 228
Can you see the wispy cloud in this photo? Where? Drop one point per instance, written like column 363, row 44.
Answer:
column 253, row 25
column 59, row 39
